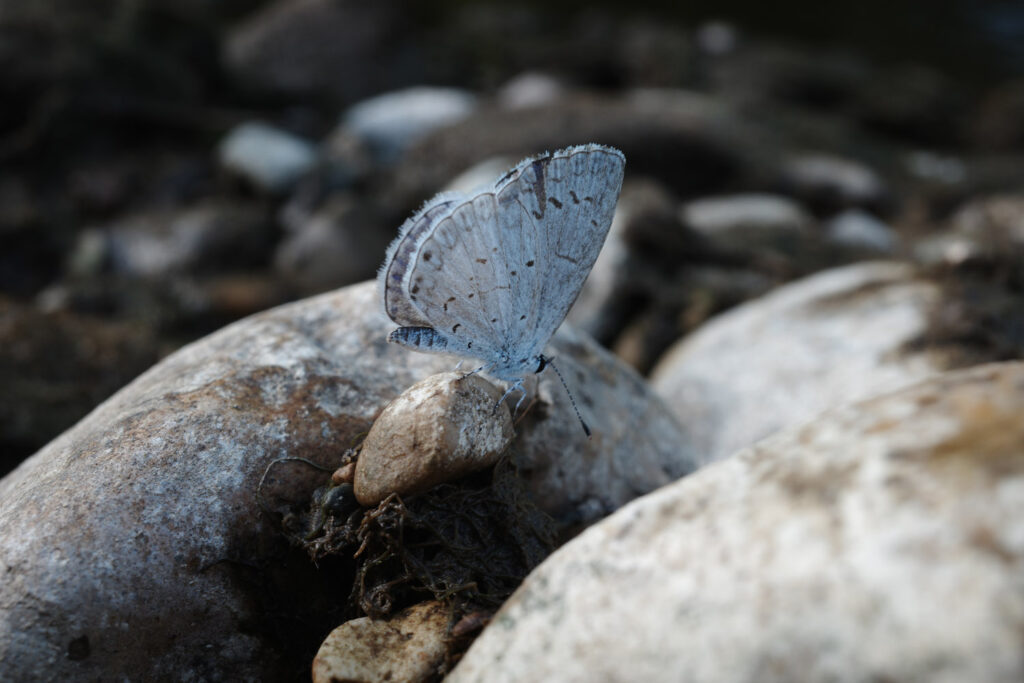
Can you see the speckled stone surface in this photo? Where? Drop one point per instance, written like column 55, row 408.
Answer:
column 883, row 541
column 133, row 545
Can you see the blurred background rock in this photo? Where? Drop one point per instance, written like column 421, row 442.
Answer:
column 168, row 167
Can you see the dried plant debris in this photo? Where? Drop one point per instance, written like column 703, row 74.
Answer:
column 978, row 318
column 469, row 542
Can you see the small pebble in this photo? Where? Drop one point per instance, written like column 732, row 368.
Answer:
column 408, row 647
column 268, row 157
column 345, row 474
column 439, row 429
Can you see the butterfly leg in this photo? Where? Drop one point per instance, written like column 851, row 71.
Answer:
column 518, row 384
column 482, row 368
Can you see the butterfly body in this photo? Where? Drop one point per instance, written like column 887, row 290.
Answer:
column 492, row 274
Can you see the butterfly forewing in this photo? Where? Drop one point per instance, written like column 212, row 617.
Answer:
column 582, row 202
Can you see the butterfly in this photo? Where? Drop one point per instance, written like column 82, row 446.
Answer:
column 491, row 274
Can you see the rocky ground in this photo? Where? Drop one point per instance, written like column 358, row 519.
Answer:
column 800, row 229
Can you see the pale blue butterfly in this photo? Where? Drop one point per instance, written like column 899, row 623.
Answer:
column 493, row 273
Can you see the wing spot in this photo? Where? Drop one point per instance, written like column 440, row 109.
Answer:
column 512, row 272
column 415, row 289
column 529, row 264
column 481, row 260
column 575, row 197
column 427, row 255
column 555, row 203
column 469, row 345
column 471, row 295
column 589, row 199
column 537, row 214
column 456, row 327
column 494, row 320
column 522, row 317
column 593, row 222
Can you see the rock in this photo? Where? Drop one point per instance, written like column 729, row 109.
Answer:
column 828, row 339
column 437, row 430
column 717, row 38
column 529, row 89
column 751, row 225
column 936, row 168
column 828, row 183
column 733, row 219
column 988, row 229
column 55, row 367
column 225, row 298
column 322, row 49
column 206, row 237
column 835, row 551
column 997, row 221
column 157, row 498
column 178, row 307
column 682, row 304
column 694, row 143
column 268, row 157
column 861, row 232
column 341, row 243
column 393, row 122
column 409, row 647
column 481, row 174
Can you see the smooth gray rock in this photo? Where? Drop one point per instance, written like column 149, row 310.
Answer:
column 392, row 122
column 749, row 222
column 339, row 244
column 881, row 542
column 838, row 336
column 204, row 237
column 268, row 157
column 828, row 182
column 134, row 545
column 859, row 231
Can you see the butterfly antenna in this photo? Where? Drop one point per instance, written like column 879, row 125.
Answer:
column 572, row 399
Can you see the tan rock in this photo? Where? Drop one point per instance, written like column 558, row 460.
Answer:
column 437, row 430
column 404, row 649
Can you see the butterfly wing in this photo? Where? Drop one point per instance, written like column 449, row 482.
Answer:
column 394, row 274
column 566, row 204
column 495, row 274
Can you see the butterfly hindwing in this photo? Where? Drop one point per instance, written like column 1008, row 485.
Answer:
column 394, row 274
